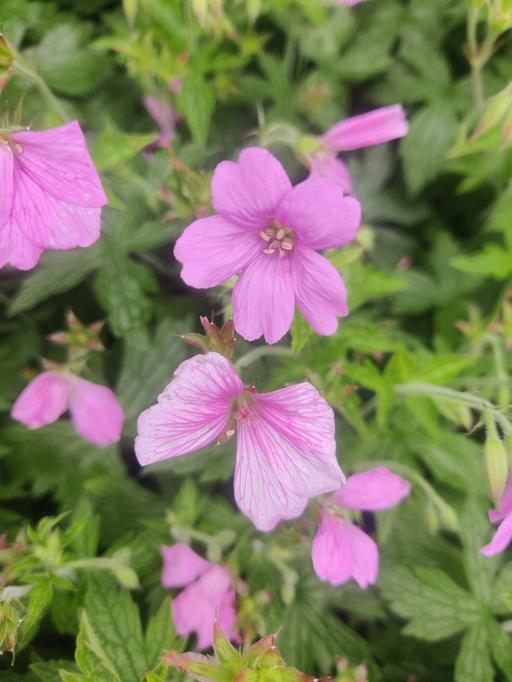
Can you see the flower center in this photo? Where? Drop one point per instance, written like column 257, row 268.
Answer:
column 243, row 410
column 278, row 238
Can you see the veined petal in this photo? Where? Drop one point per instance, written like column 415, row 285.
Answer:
column 286, row 455
column 191, row 411
column 95, row 412
column 43, row 401
column 197, row 607
column 375, row 127
column 181, row 565
column 58, row 161
column 213, row 249
column 328, row 166
column 16, row 249
column 341, row 551
column 248, row 192
column 49, row 222
column 372, row 490
column 320, row 293
column 501, row 539
column 263, row 298
column 6, row 182
column 319, row 213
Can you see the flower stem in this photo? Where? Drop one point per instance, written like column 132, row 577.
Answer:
column 262, row 351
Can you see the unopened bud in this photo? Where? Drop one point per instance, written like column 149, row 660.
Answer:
column 496, row 462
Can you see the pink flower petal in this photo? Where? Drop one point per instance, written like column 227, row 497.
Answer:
column 263, row 299
column 182, row 565
column 286, row 454
column 341, row 551
column 319, row 213
column 16, row 249
column 196, row 608
column 248, row 192
column 6, row 182
column 501, row 538
column 43, row 401
column 191, row 411
column 213, row 249
column 375, row 127
column 372, row 490
column 52, row 223
column 319, row 290
column 164, row 116
column 328, row 166
column 95, row 412
column 505, row 505
column 58, row 161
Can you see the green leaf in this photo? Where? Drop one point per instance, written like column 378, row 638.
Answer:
column 425, row 147
column 493, row 261
column 115, row 147
column 121, row 286
column 196, row 103
column 473, row 663
column 113, row 620
column 65, row 64
column 58, row 271
column 301, row 333
column 39, row 599
column 160, row 633
column 435, row 605
column 501, row 648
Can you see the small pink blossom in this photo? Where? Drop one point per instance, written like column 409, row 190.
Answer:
column 270, row 232
column 165, row 117
column 340, row 549
column 51, row 195
column 208, row 595
column 286, row 452
column 503, row 516
column 95, row 411
column 366, row 130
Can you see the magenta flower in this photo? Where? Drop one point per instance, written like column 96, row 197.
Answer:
column 325, row 165
column 51, row 195
column 270, row 232
column 208, row 595
column 503, row 516
column 341, row 550
column 165, row 117
column 286, row 453
column 95, row 411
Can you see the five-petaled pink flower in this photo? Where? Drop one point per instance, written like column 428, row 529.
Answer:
column 51, row 195
column 270, row 232
column 366, row 130
column 95, row 411
column 208, row 595
column 503, row 516
column 286, row 453
column 341, row 550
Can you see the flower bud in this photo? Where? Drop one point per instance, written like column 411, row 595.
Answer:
column 496, row 462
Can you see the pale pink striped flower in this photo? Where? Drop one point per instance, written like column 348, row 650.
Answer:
column 95, row 411
column 50, row 194
column 285, row 452
column 341, row 550
column 208, row 595
column 165, row 117
column 270, row 233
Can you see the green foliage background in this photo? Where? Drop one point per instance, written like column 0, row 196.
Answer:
column 408, row 372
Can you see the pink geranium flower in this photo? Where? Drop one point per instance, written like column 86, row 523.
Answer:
column 208, row 595
column 503, row 516
column 366, row 130
column 95, row 411
column 270, row 232
column 286, row 453
column 51, row 195
column 341, row 550
column 165, row 117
